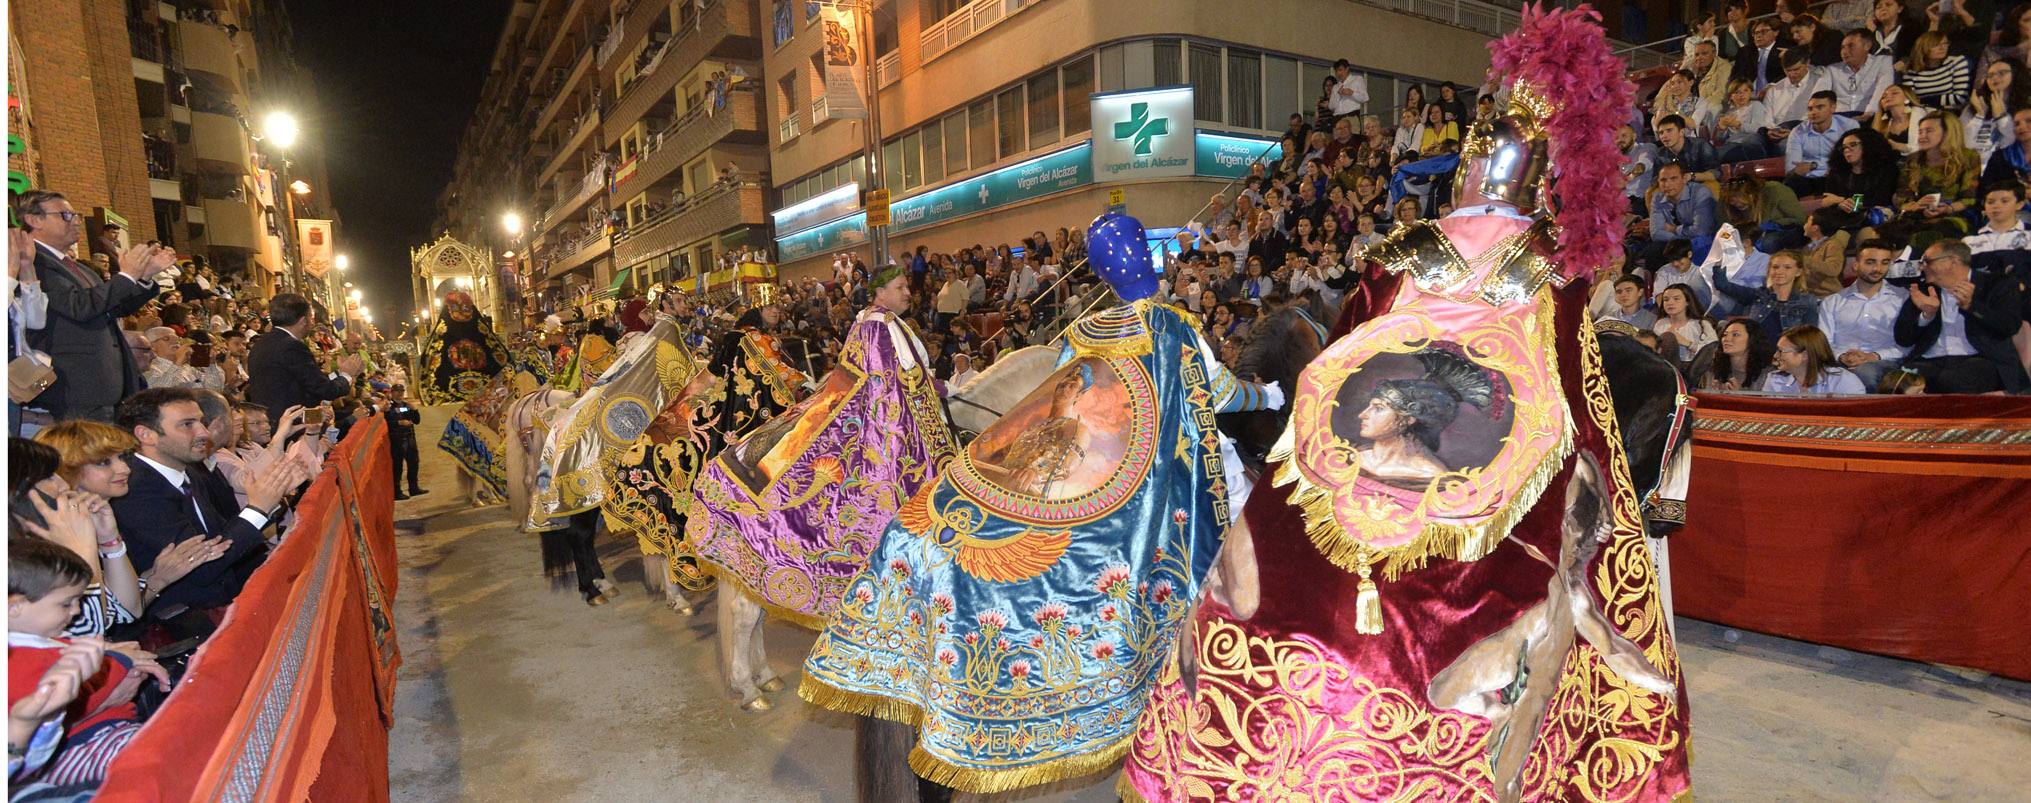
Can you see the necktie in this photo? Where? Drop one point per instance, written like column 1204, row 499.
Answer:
column 87, row 276
column 197, row 508
column 1762, row 65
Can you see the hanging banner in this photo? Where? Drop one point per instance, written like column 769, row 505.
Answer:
column 845, row 67
column 313, row 240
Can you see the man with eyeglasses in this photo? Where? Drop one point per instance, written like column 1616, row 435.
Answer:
column 1958, row 322
column 94, row 369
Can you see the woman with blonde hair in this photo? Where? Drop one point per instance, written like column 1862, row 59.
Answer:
column 1937, row 184
column 1897, row 114
column 1781, row 303
column 1806, row 366
column 1767, row 207
column 1936, row 75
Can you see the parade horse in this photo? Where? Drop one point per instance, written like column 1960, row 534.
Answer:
column 1278, row 348
column 1646, row 389
column 972, row 407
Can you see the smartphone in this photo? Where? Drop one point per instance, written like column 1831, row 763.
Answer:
column 313, row 416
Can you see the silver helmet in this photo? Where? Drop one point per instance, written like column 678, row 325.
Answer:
column 1507, row 160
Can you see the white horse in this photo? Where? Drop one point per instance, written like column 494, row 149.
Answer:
column 973, row 406
column 522, row 431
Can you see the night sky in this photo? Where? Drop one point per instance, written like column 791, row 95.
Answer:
column 397, row 82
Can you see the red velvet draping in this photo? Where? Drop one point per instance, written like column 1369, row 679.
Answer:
column 1893, row 525
column 289, row 700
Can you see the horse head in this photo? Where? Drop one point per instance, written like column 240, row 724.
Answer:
column 979, row 403
column 1278, row 348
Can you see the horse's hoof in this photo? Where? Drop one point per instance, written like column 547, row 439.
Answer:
column 683, row 609
column 772, row 685
column 607, row 587
column 757, row 705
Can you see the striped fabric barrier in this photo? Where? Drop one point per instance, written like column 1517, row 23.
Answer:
column 1888, row 524
column 292, row 698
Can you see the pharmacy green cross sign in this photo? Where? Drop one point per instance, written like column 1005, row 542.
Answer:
column 1141, row 128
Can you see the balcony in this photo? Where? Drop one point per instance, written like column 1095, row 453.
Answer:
column 560, row 92
column 219, row 139
column 574, row 253
column 629, row 32
column 208, row 49
column 966, row 23
column 888, row 69
column 230, row 224
column 718, row 209
column 588, row 187
column 580, row 130
column 692, row 134
column 722, row 29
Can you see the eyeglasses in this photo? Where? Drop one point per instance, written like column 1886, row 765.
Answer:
column 67, row 215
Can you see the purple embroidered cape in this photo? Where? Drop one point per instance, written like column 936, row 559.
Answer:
column 791, row 512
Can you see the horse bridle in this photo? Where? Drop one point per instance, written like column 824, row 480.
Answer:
column 975, row 405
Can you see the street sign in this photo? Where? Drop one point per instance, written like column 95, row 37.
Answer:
column 1117, row 200
column 878, row 207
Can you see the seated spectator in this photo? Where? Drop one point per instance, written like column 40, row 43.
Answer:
column 1682, row 328
column 1744, row 357
column 1939, row 78
column 1937, row 184
column 1860, row 320
column 1987, row 119
column 1902, row 382
column 1639, row 168
column 2012, row 162
column 1826, row 253
column 170, row 366
column 1858, row 79
column 1676, row 267
column 962, row 370
column 1861, row 181
column 2004, row 230
column 1681, row 210
column 164, row 506
column 1781, row 303
column 1768, row 208
column 1741, row 127
column 1409, row 133
column 1437, row 129
column 2013, row 37
column 1897, row 116
column 1710, row 74
column 1808, row 150
column 1957, row 324
column 1889, row 36
column 1805, row 366
column 1677, row 144
column 1629, row 307
column 1762, row 62
column 1786, row 97
column 1601, row 299
column 1818, row 44
column 1678, row 96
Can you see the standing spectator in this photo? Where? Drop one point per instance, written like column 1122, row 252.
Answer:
column 1805, row 366
column 1681, row 210
column 402, row 420
column 1860, row 321
column 1958, row 324
column 1744, row 356
column 82, row 336
column 1859, row 78
column 27, row 309
column 282, row 373
column 1350, row 90
column 1454, row 105
column 1939, row 78
column 1781, row 303
column 1809, row 149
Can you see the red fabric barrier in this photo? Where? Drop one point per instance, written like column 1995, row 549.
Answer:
column 289, row 700
column 1892, row 525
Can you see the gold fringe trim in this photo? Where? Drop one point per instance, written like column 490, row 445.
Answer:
column 937, row 770
column 1461, row 542
column 729, row 583
column 1126, row 790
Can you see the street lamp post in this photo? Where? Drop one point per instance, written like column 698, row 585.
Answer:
column 280, row 129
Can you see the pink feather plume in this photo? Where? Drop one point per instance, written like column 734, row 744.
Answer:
column 1565, row 55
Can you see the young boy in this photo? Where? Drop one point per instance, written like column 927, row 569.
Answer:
column 2002, row 204
column 44, row 583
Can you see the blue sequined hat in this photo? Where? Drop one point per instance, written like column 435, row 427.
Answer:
column 1119, row 253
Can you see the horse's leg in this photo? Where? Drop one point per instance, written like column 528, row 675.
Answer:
column 881, row 757
column 738, row 616
column 763, row 676
column 654, row 571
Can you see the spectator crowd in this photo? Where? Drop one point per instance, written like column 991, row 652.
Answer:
column 160, row 431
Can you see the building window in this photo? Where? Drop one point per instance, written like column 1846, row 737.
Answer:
column 936, row 10
column 1312, row 86
column 980, row 133
column 892, row 165
column 955, row 143
column 1078, row 81
column 786, row 97
column 1167, row 65
column 913, row 160
column 1205, row 68
column 1244, row 88
column 697, row 176
column 1279, row 90
column 934, row 153
column 1043, row 109
column 1008, row 108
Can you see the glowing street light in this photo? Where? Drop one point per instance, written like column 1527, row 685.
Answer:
column 342, row 262
column 354, row 295
column 299, row 187
column 280, row 128
column 513, row 223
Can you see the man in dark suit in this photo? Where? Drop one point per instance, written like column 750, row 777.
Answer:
column 168, row 501
column 402, row 421
column 1957, row 324
column 94, row 369
column 1761, row 64
column 281, row 373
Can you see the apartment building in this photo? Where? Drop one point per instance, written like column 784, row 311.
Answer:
column 147, row 114
column 988, row 118
column 626, row 134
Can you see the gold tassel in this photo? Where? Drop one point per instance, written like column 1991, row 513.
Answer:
column 1367, row 608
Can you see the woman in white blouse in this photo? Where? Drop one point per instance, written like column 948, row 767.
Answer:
column 1681, row 323
column 1806, row 366
column 1987, row 117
